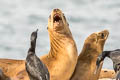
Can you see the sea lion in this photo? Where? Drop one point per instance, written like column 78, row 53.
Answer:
column 62, row 57
column 35, row 68
column 107, row 73
column 86, row 64
column 115, row 57
column 60, row 60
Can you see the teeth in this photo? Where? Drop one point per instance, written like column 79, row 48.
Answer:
column 56, row 15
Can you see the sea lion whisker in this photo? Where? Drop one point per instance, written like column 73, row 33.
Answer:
column 57, row 40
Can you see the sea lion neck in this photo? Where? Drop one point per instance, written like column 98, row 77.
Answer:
column 58, row 43
column 86, row 52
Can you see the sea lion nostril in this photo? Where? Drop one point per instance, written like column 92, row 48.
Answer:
column 56, row 10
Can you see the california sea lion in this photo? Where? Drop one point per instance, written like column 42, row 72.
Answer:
column 86, row 64
column 62, row 57
column 35, row 68
column 115, row 57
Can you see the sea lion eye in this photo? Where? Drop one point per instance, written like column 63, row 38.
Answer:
column 102, row 35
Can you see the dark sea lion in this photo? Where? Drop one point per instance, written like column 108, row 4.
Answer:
column 86, row 64
column 35, row 68
column 115, row 57
column 60, row 60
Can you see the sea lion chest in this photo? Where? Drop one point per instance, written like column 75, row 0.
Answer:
column 63, row 62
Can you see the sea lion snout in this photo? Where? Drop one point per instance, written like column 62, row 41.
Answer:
column 103, row 34
column 57, row 22
column 55, row 10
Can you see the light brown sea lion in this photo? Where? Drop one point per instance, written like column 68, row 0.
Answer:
column 86, row 64
column 62, row 57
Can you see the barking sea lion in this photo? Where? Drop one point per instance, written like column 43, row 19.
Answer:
column 115, row 57
column 62, row 57
column 86, row 64
column 35, row 68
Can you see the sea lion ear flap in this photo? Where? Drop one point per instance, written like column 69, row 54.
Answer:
column 102, row 35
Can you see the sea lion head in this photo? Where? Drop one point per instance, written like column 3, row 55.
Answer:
column 57, row 22
column 96, row 41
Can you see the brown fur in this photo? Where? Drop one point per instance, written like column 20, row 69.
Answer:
column 86, row 64
column 62, row 57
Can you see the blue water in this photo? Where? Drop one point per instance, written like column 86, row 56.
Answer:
column 19, row 18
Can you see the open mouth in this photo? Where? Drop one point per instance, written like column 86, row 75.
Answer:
column 57, row 18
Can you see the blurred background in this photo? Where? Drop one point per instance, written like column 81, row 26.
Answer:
column 19, row 18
